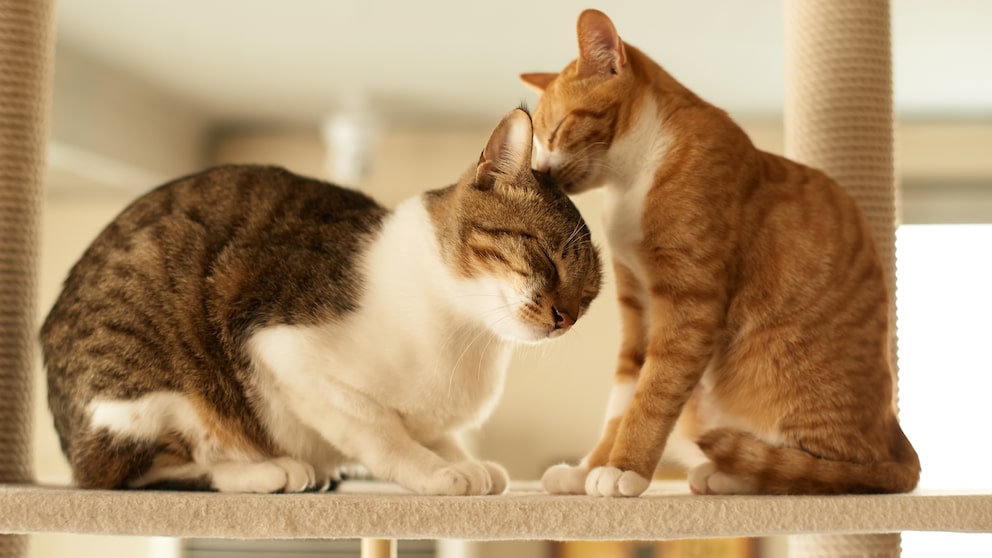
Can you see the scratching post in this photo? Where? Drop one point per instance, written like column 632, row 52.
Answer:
column 839, row 118
column 26, row 52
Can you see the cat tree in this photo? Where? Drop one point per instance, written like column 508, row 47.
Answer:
column 838, row 117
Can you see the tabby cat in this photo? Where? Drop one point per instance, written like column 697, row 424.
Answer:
column 246, row 329
column 755, row 310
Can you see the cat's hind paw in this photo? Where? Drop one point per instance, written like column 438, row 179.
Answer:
column 465, row 478
column 613, row 482
column 565, row 479
column 707, row 479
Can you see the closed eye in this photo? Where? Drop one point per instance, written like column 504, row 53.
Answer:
column 554, row 133
column 556, row 277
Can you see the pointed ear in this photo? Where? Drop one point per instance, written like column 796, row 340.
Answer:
column 600, row 49
column 508, row 150
column 538, row 81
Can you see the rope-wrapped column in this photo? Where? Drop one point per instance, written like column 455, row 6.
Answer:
column 839, row 118
column 26, row 55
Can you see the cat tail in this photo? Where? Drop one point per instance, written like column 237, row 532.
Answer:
column 770, row 469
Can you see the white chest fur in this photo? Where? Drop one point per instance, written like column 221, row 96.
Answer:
column 407, row 353
column 634, row 158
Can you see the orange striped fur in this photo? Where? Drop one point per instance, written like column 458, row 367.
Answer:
column 754, row 304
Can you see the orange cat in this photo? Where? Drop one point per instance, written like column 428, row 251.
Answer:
column 755, row 310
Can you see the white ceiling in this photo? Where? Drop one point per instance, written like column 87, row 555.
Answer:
column 299, row 60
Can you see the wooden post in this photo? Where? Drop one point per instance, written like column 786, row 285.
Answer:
column 378, row 548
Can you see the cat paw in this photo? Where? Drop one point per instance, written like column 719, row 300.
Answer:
column 281, row 474
column 707, row 479
column 565, row 479
column 323, row 482
column 498, row 476
column 613, row 482
column 465, row 478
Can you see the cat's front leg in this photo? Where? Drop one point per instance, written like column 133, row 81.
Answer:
column 379, row 441
column 679, row 347
column 449, row 448
column 362, row 427
column 385, row 447
column 376, row 437
column 571, row 479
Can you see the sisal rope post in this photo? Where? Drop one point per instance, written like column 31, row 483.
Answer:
column 839, row 118
column 26, row 55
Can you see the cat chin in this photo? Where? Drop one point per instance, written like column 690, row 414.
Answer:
column 523, row 334
column 522, row 341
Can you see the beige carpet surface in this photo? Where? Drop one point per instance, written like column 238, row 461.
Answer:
column 365, row 509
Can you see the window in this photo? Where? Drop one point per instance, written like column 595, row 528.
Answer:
column 944, row 291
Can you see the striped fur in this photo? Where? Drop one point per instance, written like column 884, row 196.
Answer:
column 754, row 305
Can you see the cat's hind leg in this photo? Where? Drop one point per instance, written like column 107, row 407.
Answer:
column 707, row 479
column 280, row 474
column 102, row 460
column 169, row 440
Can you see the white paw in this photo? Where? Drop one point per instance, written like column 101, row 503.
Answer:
column 706, row 479
column 610, row 481
column 565, row 479
column 498, row 476
column 459, row 479
column 300, row 476
column 282, row 474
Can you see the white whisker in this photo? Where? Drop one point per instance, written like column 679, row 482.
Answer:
column 482, row 357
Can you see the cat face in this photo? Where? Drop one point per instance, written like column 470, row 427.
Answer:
column 584, row 108
column 519, row 246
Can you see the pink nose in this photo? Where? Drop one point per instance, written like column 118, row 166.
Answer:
column 543, row 167
column 563, row 319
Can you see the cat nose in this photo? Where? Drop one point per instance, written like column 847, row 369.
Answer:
column 562, row 318
column 543, row 167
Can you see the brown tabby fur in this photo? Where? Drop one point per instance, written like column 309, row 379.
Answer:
column 754, row 305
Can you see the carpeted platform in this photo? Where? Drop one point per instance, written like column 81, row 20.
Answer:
column 368, row 509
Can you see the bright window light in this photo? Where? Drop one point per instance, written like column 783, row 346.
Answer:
column 944, row 292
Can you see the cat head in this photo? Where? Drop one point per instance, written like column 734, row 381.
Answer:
column 522, row 253
column 586, row 107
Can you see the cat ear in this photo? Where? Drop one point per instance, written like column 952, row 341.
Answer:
column 600, row 49
column 538, row 81
column 508, row 150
